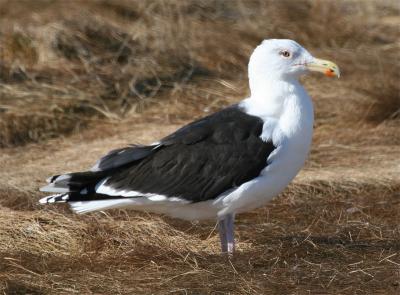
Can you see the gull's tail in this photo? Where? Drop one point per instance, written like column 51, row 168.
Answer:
column 78, row 189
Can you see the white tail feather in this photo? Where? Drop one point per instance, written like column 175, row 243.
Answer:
column 81, row 207
column 52, row 188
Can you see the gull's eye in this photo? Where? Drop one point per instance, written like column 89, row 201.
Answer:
column 285, row 54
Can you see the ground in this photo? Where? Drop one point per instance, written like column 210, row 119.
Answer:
column 77, row 80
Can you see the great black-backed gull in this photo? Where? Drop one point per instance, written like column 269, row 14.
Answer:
column 229, row 162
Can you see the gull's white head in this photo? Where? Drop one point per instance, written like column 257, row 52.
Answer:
column 283, row 59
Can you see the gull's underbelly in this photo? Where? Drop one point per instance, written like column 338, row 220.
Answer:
column 273, row 179
column 255, row 193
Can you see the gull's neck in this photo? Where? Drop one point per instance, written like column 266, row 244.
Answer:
column 285, row 108
column 269, row 96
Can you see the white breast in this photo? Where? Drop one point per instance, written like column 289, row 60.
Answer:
column 291, row 133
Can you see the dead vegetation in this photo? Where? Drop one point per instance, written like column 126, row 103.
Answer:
column 78, row 78
column 334, row 240
column 107, row 59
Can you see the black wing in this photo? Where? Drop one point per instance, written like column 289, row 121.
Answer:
column 198, row 162
column 124, row 156
column 201, row 160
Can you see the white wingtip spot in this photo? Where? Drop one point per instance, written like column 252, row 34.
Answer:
column 52, row 199
column 43, row 200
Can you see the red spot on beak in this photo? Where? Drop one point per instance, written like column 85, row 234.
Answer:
column 329, row 73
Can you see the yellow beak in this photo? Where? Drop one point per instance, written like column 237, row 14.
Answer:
column 327, row 67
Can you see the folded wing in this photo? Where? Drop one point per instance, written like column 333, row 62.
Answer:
column 198, row 162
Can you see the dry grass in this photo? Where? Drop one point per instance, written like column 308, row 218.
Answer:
column 76, row 61
column 333, row 241
column 95, row 75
